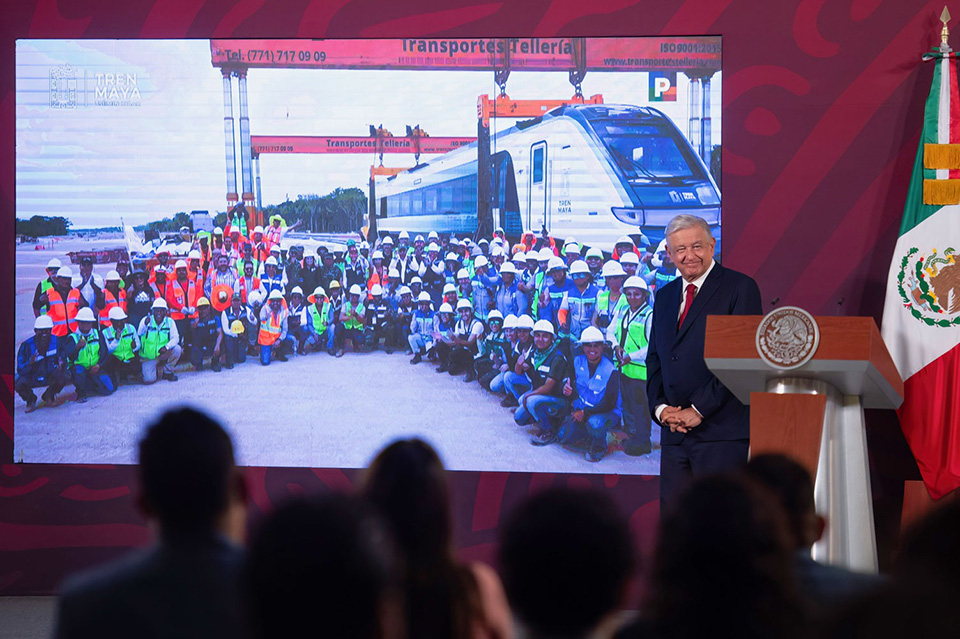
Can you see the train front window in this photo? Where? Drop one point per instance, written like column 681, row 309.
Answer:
column 647, row 153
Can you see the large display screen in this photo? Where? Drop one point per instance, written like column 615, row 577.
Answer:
column 135, row 155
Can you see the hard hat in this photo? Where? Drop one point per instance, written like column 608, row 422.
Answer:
column 334, row 284
column 404, row 290
column 193, row 255
column 570, row 240
column 624, row 239
column 393, row 274
column 508, row 267
column 159, row 303
column 355, row 290
column 662, row 246
column 451, row 256
column 423, row 297
column 377, row 255
column 85, row 315
column 571, row 248
column 635, row 282
column 180, row 264
column 629, row 258
column 433, row 247
column 258, row 229
column 112, row 276
column 579, row 267
column 612, row 269
column 296, row 291
column 160, row 270
column 203, row 302
column 484, row 240
column 519, row 256
column 533, row 255
column 65, row 271
column 591, row 335
column 275, row 248
column 376, row 290
column 481, row 261
column 255, row 298
column 495, row 315
column 237, row 326
column 220, row 297
column 556, row 263
column 544, row 326
column 275, row 294
column 116, row 313
column 454, row 241
column 416, row 280
column 404, row 235
column 446, row 308
column 218, row 231
column 418, row 238
column 449, row 288
column 387, row 240
column 364, row 245
column 497, row 252
column 318, row 294
column 433, row 235
column 271, row 261
column 546, row 254
column 510, row 321
column 525, row 321
column 44, row 322
column 464, row 303
column 463, row 274
column 54, row 263
column 595, row 252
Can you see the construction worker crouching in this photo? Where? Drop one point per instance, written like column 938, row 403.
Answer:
column 421, row 338
column 315, row 320
column 159, row 344
column 593, row 393
column 545, row 368
column 123, row 347
column 236, row 322
column 490, row 354
column 207, row 337
column 352, row 317
column 457, row 350
column 273, row 338
column 40, row 362
column 88, row 352
column 376, row 325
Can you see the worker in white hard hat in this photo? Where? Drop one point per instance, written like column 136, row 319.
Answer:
column 295, row 325
column 455, row 351
column 577, row 306
column 376, row 325
column 431, row 271
column 594, row 260
column 464, row 286
column 450, row 295
column 631, row 264
column 593, row 392
column 274, row 339
column 365, row 250
column 510, row 298
column 610, row 301
column 421, row 337
column 663, row 270
column 40, row 364
column 123, row 347
column 403, row 239
column 47, row 283
column 62, row 302
column 451, row 266
column 512, row 383
column 552, row 293
column 238, row 324
column 271, row 280
column 352, row 319
column 86, row 355
column 483, row 288
column 402, row 307
column 315, row 321
column 195, row 268
column 546, row 369
column 443, row 324
column 631, row 337
column 160, row 348
column 491, row 350
column 113, row 297
column 509, row 343
column 207, row 337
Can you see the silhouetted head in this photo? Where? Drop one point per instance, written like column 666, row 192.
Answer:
column 792, row 485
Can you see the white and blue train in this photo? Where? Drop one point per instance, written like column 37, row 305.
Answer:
column 595, row 172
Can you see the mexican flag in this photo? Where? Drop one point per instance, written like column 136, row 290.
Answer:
column 921, row 317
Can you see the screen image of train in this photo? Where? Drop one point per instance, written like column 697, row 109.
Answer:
column 594, row 172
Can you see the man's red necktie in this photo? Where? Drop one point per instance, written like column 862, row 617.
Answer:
column 691, row 291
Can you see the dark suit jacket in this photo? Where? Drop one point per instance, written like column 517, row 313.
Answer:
column 184, row 587
column 676, row 372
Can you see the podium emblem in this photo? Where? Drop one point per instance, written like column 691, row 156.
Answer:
column 787, row 338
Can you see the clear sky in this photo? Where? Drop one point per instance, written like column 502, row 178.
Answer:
column 157, row 146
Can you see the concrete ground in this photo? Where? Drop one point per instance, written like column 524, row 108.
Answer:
column 314, row 411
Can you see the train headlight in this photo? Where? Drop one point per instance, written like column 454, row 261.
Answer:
column 707, row 195
column 628, row 216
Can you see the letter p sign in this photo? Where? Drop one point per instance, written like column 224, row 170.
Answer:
column 663, row 86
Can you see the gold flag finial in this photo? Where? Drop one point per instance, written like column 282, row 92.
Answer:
column 944, row 32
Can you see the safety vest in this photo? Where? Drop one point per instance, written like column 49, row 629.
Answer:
column 538, row 279
column 154, row 338
column 63, row 313
column 124, row 349
column 631, row 334
column 604, row 312
column 45, row 286
column 178, row 299
column 591, row 388
column 541, row 372
column 352, row 323
column 662, row 279
column 197, row 277
column 89, row 355
column 272, row 235
column 319, row 318
column 244, row 291
column 271, row 329
column 111, row 302
column 423, row 322
column 580, row 307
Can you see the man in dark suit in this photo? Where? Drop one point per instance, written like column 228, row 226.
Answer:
column 705, row 428
column 188, row 583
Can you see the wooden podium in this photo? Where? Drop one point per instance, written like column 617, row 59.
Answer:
column 814, row 413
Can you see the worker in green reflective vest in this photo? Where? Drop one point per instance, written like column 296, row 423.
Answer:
column 86, row 358
column 159, row 344
column 631, row 335
column 123, row 346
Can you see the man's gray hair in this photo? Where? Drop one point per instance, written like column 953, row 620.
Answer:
column 683, row 221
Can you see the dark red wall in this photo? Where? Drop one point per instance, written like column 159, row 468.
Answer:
column 822, row 103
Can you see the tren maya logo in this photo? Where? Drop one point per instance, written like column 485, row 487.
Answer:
column 929, row 286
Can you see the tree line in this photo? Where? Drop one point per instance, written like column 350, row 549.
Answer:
column 43, row 226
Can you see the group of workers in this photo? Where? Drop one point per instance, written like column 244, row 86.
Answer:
column 560, row 331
